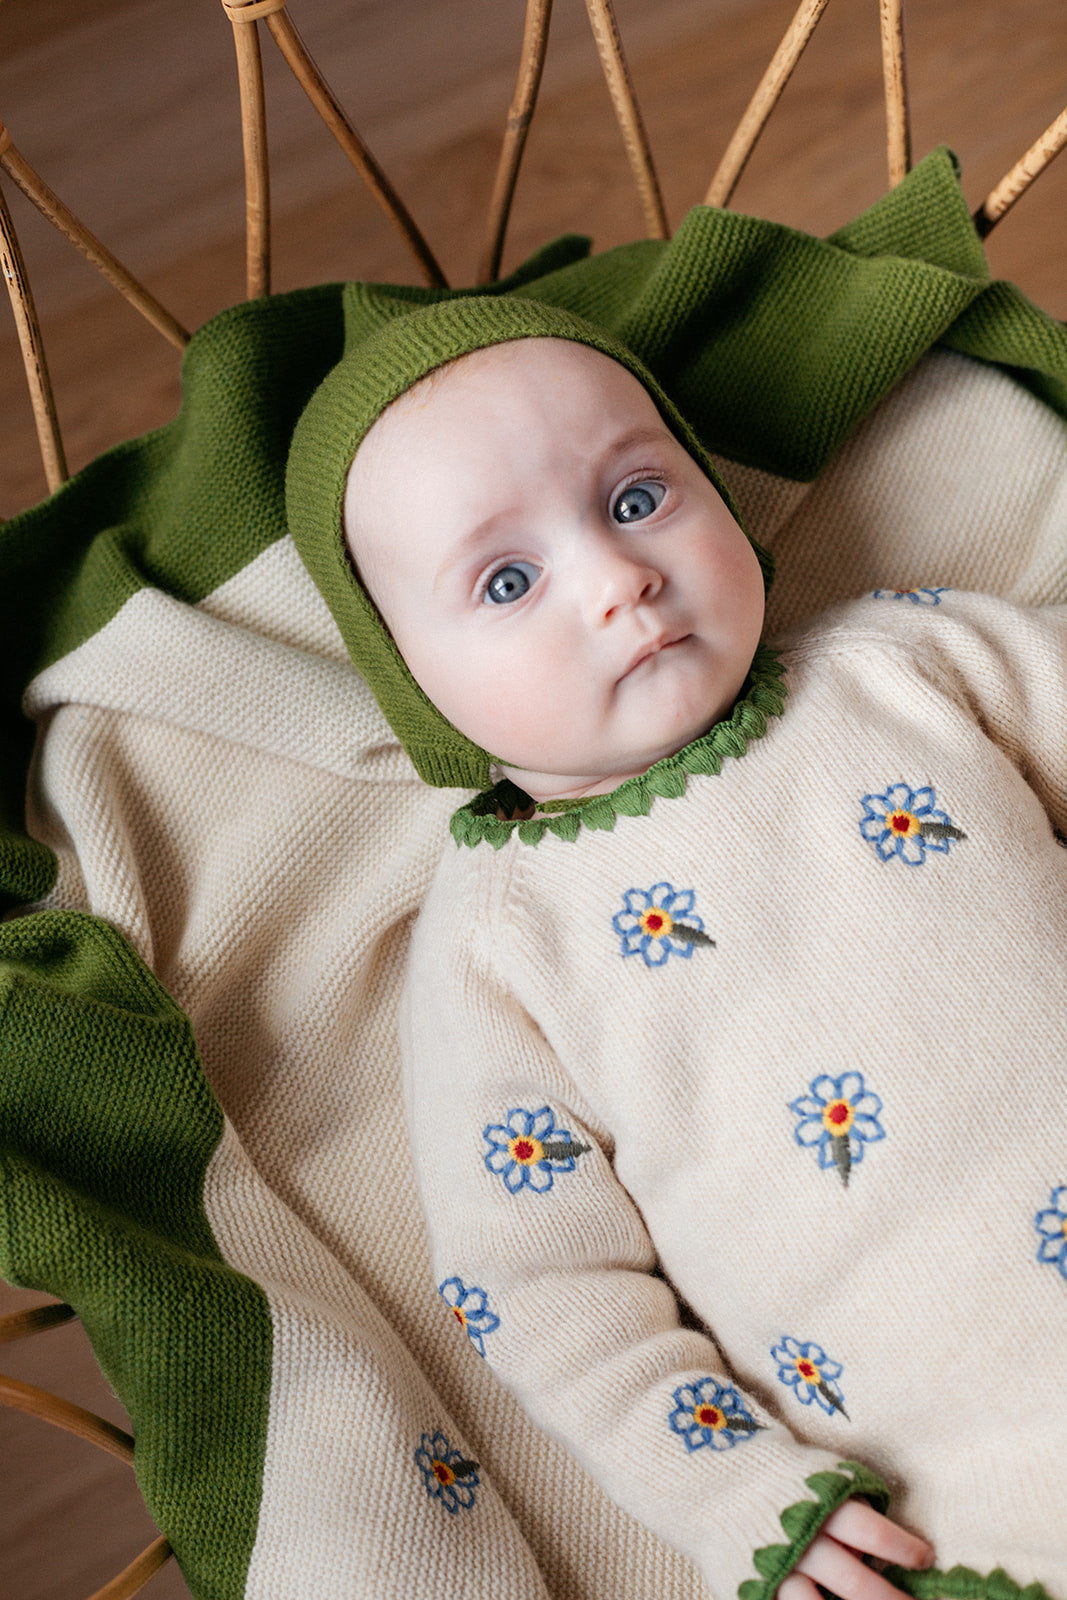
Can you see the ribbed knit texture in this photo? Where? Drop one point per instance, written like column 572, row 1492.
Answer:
column 797, row 1039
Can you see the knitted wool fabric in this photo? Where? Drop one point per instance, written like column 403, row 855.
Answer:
column 385, row 355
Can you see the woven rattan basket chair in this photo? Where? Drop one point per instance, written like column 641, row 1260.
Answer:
column 257, row 23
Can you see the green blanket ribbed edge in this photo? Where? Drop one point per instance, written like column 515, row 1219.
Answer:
column 107, row 1126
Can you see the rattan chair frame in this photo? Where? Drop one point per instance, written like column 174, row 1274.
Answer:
column 245, row 16
column 52, row 1408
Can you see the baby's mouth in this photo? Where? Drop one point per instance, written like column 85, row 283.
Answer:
column 656, row 648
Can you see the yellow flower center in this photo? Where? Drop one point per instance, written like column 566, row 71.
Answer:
column 526, row 1151
column 838, row 1116
column 657, row 924
column 460, row 1316
column 902, row 823
column 808, row 1370
column 443, row 1473
column 709, row 1417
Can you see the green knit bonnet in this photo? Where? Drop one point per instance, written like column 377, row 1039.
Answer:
column 388, row 349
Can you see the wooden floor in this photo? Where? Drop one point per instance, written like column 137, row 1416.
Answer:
column 128, row 109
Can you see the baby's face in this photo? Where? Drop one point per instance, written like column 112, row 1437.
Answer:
column 563, row 581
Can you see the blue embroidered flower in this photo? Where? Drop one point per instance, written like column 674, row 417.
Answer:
column 470, row 1310
column 838, row 1117
column 658, row 922
column 905, row 822
column 918, row 597
column 1051, row 1224
column 712, row 1416
column 447, row 1475
column 809, row 1372
column 528, row 1149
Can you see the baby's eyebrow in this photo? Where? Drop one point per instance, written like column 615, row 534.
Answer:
column 636, row 439
column 483, row 535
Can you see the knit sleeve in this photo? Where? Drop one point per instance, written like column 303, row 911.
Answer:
column 547, row 1265
column 1008, row 665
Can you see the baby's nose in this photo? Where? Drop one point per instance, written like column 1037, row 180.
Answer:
column 623, row 584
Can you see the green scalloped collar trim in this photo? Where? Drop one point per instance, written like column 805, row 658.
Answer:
column 803, row 1520
column 763, row 696
column 963, row 1583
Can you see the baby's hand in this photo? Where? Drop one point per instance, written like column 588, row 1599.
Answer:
column 833, row 1558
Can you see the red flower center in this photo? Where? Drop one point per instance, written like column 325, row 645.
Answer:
column 442, row 1473
column 653, row 922
column 839, row 1112
column 709, row 1416
column 523, row 1149
column 806, row 1370
column 900, row 822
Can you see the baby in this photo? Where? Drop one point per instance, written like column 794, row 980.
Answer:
column 746, row 977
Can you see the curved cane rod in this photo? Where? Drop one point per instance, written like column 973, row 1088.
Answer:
column 520, row 115
column 51, row 206
column 628, row 115
column 329, row 109
column 763, row 102
column 243, row 15
column 38, row 381
column 1018, row 180
column 894, row 76
column 64, row 1414
column 35, row 1319
column 134, row 1577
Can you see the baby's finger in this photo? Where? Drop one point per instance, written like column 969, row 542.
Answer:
column 797, row 1587
column 843, row 1573
column 863, row 1528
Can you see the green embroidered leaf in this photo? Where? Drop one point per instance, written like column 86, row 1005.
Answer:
column 752, row 721
column 599, row 813
column 771, row 1559
column 460, row 827
column 532, row 832
column 691, row 935
column 831, row 1399
column 703, row 759
column 633, row 799
column 940, row 830
column 751, row 1589
column 842, row 1156
column 668, row 782
column 828, row 1485
column 563, row 1149
column 799, row 1521
column 463, row 1469
column 743, row 1425
column 565, row 826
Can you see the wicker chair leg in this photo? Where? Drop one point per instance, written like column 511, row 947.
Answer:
column 520, row 115
column 628, row 114
column 763, row 102
column 1018, row 180
column 38, row 380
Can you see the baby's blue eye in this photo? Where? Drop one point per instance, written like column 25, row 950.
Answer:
column 511, row 583
column 638, row 501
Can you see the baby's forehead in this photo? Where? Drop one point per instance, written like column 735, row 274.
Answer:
column 531, row 367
